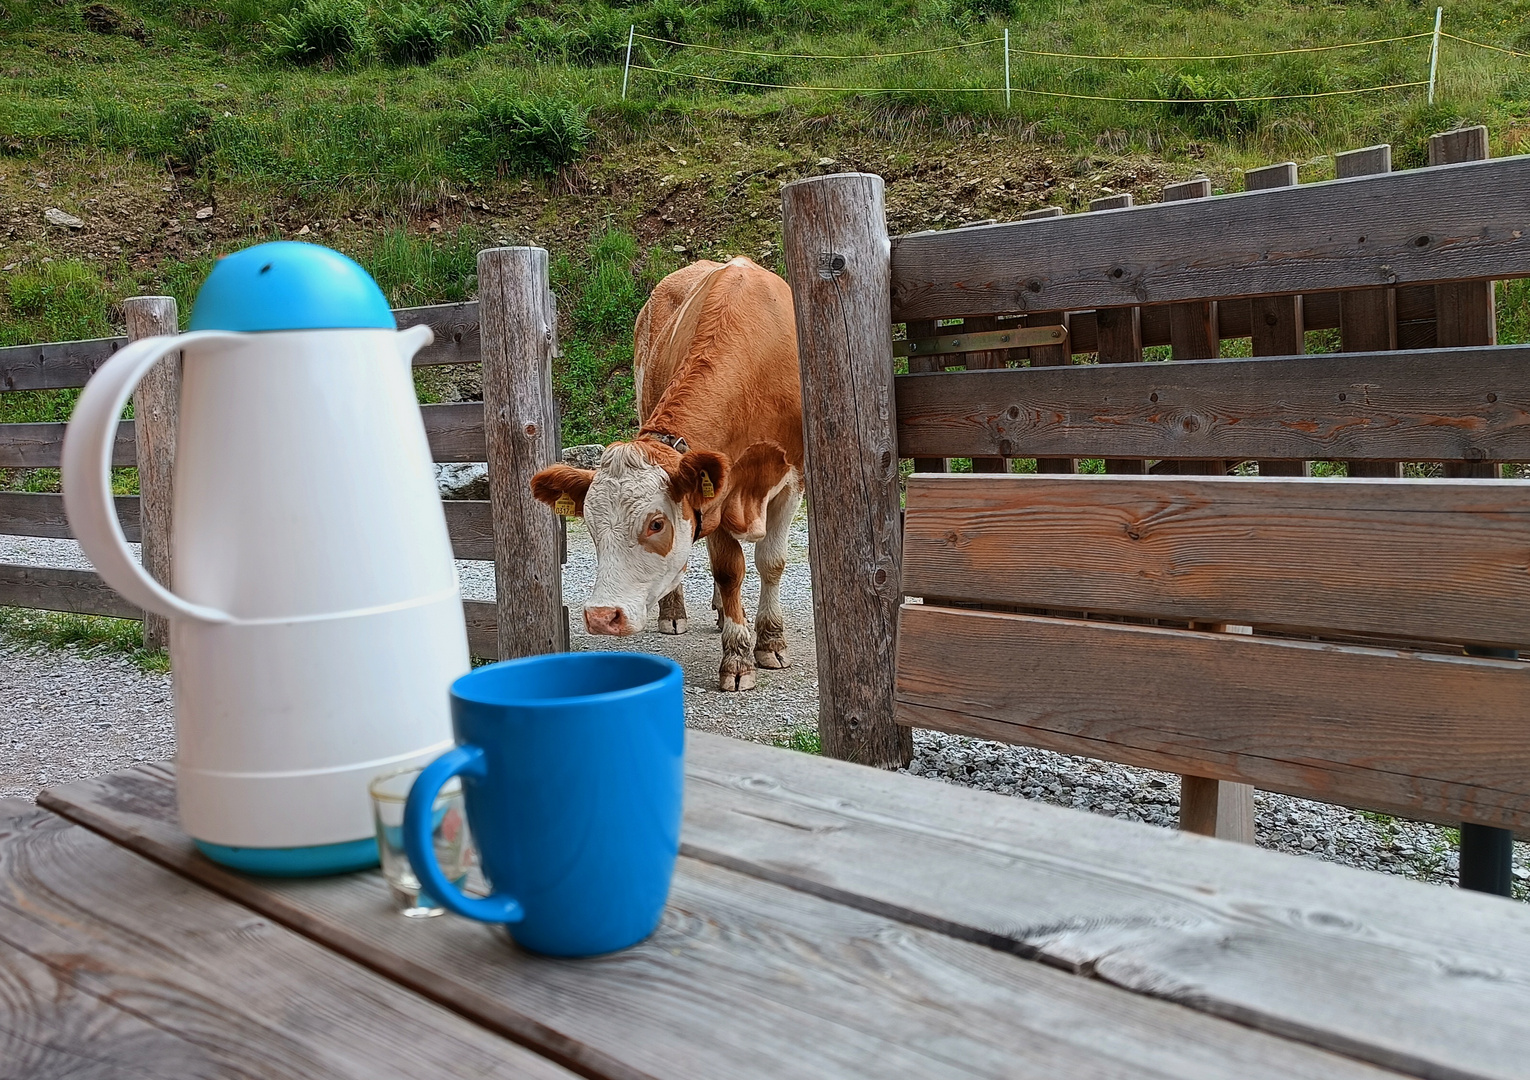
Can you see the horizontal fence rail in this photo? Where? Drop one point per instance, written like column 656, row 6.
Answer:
column 1462, row 405
column 1232, row 708
column 66, row 365
column 1267, row 552
column 1458, row 222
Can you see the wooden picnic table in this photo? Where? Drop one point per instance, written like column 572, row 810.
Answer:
column 827, row 920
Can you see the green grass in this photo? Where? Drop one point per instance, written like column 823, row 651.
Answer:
column 88, row 633
column 804, row 740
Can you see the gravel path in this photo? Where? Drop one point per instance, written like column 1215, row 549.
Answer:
column 65, row 715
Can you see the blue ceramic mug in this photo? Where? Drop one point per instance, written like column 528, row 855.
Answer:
column 572, row 771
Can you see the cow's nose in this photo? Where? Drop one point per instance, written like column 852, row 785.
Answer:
column 608, row 621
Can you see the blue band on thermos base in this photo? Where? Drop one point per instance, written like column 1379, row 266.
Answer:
column 316, row 861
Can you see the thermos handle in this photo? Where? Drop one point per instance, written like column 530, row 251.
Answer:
column 87, row 465
column 419, row 825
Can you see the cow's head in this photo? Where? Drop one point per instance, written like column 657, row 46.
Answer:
column 641, row 506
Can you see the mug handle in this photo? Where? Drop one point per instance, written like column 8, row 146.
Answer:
column 419, row 824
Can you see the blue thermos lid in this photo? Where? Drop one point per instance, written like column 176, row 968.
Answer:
column 288, row 285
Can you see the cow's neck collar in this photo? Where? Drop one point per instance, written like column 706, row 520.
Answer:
column 674, row 442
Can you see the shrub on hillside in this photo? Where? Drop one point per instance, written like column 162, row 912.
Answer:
column 986, row 9
column 541, row 37
column 480, row 22
column 739, row 14
column 535, row 134
column 1202, row 103
column 411, row 34
column 320, row 30
column 666, row 19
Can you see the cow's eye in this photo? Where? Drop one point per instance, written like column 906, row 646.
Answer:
column 656, row 525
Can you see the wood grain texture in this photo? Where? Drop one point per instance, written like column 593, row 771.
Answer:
column 1118, row 337
column 1464, row 311
column 1440, row 738
column 455, row 431
column 52, row 589
column 24, row 513
column 41, row 446
column 1368, row 317
column 1474, row 219
column 835, row 241
column 458, row 334
column 1457, row 405
column 482, row 629
column 520, row 421
column 471, row 527
column 1338, row 957
column 1264, row 552
column 1193, row 332
column 925, row 328
column 156, row 411
column 744, row 979
column 59, row 365
column 1216, row 808
column 1276, row 325
column 111, row 966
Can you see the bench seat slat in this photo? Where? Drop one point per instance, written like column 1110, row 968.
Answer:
column 1425, row 736
column 1351, row 557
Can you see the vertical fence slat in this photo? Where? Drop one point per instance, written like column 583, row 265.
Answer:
column 916, row 330
column 1276, row 326
column 156, row 407
column 1119, row 337
column 1368, row 317
column 838, row 260
column 1210, row 807
column 982, row 361
column 1193, row 331
column 521, row 435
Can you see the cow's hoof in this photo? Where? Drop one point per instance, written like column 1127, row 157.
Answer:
column 673, row 626
column 772, row 656
column 735, row 675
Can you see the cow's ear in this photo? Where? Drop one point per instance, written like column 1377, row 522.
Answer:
column 699, row 478
column 562, row 487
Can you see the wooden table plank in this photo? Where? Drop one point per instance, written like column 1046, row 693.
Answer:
column 744, row 978
column 111, row 966
column 1427, row 980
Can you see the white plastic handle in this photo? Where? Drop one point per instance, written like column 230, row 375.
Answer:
column 87, row 465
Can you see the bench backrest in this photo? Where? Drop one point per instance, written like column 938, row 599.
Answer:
column 1057, row 612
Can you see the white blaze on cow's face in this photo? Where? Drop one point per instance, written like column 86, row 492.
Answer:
column 640, row 507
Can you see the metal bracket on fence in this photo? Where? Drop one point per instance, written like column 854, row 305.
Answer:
column 1021, row 337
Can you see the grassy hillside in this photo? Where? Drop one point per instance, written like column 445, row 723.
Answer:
column 410, row 134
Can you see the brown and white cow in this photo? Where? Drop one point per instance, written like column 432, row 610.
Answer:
column 718, row 455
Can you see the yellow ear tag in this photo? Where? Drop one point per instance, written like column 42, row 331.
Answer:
column 707, row 490
column 565, row 505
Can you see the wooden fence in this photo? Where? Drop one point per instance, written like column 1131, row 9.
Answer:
column 1401, row 264
column 510, row 329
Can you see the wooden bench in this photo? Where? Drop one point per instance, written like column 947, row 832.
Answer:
column 1051, row 319
column 1058, row 612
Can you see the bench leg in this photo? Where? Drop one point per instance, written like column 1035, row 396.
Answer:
column 1216, row 808
column 1487, row 859
column 1487, row 854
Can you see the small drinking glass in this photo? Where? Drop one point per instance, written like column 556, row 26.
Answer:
column 389, row 793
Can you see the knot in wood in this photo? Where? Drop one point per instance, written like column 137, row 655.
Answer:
column 1132, row 533
column 531, row 431
column 830, row 265
column 880, row 577
column 1014, row 412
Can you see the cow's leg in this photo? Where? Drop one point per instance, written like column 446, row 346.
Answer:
column 770, row 561
column 672, row 611
column 737, row 671
column 717, row 603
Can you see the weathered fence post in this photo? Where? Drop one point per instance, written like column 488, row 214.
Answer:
column 838, row 260
column 519, row 422
column 156, row 406
column 1118, row 335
